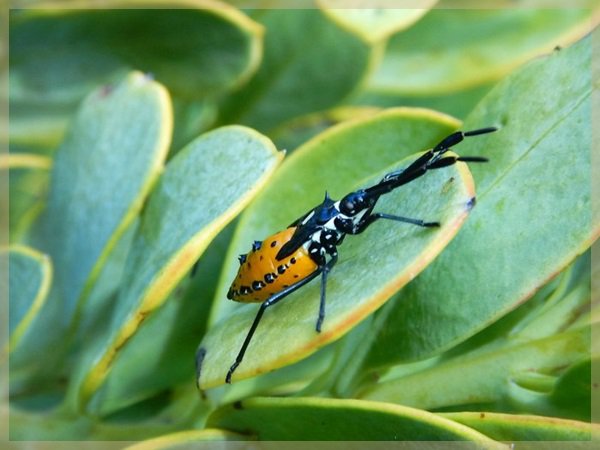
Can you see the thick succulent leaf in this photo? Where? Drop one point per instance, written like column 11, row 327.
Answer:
column 100, row 177
column 548, row 313
column 376, row 24
column 193, row 200
column 534, row 214
column 507, row 427
column 478, row 46
column 323, row 419
column 188, row 439
column 574, row 390
column 295, row 132
column 196, row 48
column 29, row 278
column 458, row 104
column 555, row 307
column 557, row 314
column 28, row 184
column 290, row 380
column 485, row 377
column 56, row 425
column 293, row 79
column 159, row 355
column 378, row 262
column 97, row 309
column 559, row 301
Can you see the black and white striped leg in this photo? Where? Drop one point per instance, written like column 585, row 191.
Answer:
column 270, row 302
column 324, row 273
column 376, row 216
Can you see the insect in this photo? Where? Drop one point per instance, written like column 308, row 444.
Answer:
column 289, row 259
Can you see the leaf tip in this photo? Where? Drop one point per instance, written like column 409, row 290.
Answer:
column 471, row 203
column 238, row 405
column 200, row 355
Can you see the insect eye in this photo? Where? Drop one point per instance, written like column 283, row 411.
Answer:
column 348, row 206
column 351, row 203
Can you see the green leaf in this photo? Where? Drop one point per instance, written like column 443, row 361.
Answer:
column 452, row 49
column 373, row 24
column 290, row 380
column 99, row 304
column 458, row 104
column 295, row 132
column 378, row 262
column 322, row 419
column 29, row 278
column 572, row 394
column 533, row 215
column 159, row 354
column 100, row 178
column 62, row 50
column 186, row 439
column 28, row 185
column 293, row 78
column 483, row 378
column 193, row 200
column 557, row 314
column 507, row 427
column 195, row 48
column 56, row 425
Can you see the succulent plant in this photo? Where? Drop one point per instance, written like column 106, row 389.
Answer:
column 147, row 152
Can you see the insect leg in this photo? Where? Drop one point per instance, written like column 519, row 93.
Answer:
column 376, row 216
column 326, row 269
column 270, row 302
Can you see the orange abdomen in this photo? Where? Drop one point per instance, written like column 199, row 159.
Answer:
column 261, row 275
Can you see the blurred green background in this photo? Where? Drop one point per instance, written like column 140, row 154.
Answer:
column 146, row 135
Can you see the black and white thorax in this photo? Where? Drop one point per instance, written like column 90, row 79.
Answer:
column 324, row 227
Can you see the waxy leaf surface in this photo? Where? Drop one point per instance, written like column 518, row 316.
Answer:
column 193, row 200
column 29, row 278
column 293, row 78
column 484, row 377
column 101, row 174
column 324, row 419
column 373, row 24
column 61, row 50
column 534, row 213
column 195, row 48
column 508, row 427
column 478, row 46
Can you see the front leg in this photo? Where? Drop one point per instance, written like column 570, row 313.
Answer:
column 317, row 251
column 324, row 274
column 270, row 302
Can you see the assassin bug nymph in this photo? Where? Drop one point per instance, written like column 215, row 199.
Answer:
column 288, row 260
